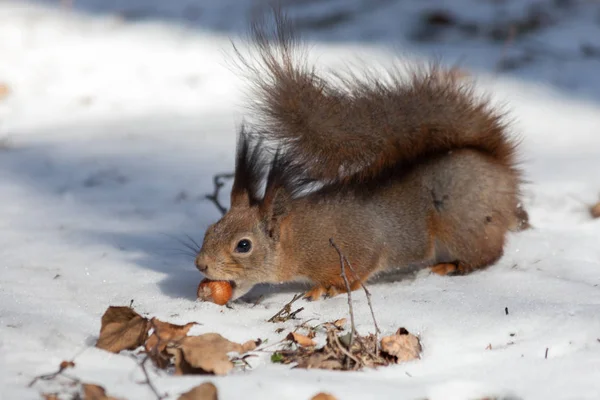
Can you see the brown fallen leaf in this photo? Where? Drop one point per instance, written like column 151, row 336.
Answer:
column 323, row 396
column 66, row 364
column 205, row 391
column 595, row 210
column 122, row 329
column 206, row 354
column 4, row 90
column 403, row 346
column 302, row 340
column 50, row 396
column 95, row 392
column 164, row 333
column 340, row 323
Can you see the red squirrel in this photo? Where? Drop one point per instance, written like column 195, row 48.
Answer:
column 409, row 169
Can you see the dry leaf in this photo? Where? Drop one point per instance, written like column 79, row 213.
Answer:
column 122, row 329
column 323, row 396
column 595, row 210
column 206, row 353
column 205, row 391
column 403, row 346
column 165, row 332
column 340, row 323
column 4, row 90
column 95, row 392
column 66, row 364
column 50, row 396
column 302, row 340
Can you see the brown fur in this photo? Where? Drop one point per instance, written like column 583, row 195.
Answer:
column 413, row 172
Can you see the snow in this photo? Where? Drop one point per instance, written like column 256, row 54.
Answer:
column 119, row 114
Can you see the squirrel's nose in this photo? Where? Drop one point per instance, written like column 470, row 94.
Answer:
column 201, row 265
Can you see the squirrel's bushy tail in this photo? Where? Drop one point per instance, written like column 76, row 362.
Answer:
column 358, row 127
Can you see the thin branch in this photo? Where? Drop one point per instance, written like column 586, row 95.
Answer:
column 218, row 184
column 148, row 381
column 286, row 312
column 348, row 288
column 47, row 377
column 348, row 352
column 152, row 353
column 368, row 295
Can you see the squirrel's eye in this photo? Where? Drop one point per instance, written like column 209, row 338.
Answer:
column 243, row 246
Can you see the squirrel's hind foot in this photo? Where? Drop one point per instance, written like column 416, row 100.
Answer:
column 449, row 269
column 319, row 291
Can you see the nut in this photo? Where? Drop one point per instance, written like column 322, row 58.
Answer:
column 218, row 292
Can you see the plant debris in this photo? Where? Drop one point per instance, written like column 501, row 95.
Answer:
column 339, row 354
column 168, row 344
column 205, row 391
column 286, row 313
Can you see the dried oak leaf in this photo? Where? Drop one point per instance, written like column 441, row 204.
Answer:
column 206, row 354
column 165, row 332
column 302, row 340
column 403, row 346
column 4, row 90
column 122, row 329
column 595, row 210
column 95, row 392
column 323, row 396
column 340, row 323
column 66, row 364
column 205, row 391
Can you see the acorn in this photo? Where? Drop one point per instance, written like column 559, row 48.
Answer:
column 218, row 292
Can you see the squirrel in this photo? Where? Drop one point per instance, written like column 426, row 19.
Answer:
column 404, row 171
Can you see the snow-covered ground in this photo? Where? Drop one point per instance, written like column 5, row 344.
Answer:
column 119, row 113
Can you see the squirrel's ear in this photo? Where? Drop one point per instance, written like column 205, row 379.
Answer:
column 248, row 172
column 276, row 202
column 274, row 210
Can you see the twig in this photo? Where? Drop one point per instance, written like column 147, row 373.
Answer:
column 368, row 295
column 46, row 377
column 286, row 312
column 348, row 352
column 546, row 354
column 152, row 353
column 148, row 381
column 218, row 184
column 348, row 288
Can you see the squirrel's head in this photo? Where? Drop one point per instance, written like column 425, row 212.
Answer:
column 243, row 245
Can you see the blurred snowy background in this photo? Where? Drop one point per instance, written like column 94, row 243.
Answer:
column 115, row 114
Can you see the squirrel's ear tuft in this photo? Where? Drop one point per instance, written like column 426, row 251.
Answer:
column 248, row 171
